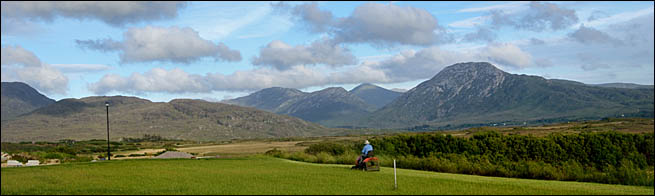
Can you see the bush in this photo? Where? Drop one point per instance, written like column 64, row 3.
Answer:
column 323, row 157
column 330, row 148
column 605, row 157
column 120, row 155
column 54, row 155
column 274, row 152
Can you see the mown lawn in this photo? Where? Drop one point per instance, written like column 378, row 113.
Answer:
column 266, row 175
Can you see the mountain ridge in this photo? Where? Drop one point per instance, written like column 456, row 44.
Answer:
column 479, row 93
column 19, row 98
column 85, row 118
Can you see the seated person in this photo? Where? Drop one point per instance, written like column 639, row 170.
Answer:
column 367, row 148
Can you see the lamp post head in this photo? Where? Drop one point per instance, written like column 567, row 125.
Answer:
column 107, row 103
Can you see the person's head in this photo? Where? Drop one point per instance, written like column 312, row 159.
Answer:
column 366, row 142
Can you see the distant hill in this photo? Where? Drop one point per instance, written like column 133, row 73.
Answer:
column 374, row 95
column 85, row 118
column 623, row 85
column 268, row 99
column 19, row 98
column 478, row 94
column 327, row 107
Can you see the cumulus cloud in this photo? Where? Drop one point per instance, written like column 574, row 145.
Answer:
column 22, row 65
column 179, row 81
column 508, row 55
column 115, row 13
column 481, row 34
column 589, row 35
column 379, row 24
column 283, row 56
column 309, row 14
column 539, row 17
column 155, row 80
column 411, row 65
column 174, row 44
column 13, row 26
column 389, row 24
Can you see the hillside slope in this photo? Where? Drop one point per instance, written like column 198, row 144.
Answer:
column 479, row 93
column 132, row 117
column 327, row 107
column 375, row 95
column 19, row 98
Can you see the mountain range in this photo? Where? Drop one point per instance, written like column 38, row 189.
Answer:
column 199, row 120
column 330, row 106
column 461, row 95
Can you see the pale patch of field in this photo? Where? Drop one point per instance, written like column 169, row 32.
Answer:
column 244, row 148
column 142, row 151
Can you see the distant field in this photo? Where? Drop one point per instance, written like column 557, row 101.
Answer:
column 265, row 175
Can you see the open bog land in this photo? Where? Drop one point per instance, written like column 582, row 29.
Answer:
column 267, row 175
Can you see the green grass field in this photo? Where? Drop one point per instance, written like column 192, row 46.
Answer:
column 266, row 175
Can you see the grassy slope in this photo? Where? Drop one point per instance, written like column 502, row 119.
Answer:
column 264, row 175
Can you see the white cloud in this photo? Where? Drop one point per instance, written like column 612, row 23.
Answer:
column 508, row 55
column 22, row 65
column 378, row 24
column 174, row 44
column 589, row 35
column 539, row 17
column 283, row 56
column 115, row 13
column 155, row 80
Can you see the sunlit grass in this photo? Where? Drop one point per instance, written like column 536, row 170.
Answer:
column 265, row 175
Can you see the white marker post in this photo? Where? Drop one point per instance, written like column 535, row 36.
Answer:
column 395, row 182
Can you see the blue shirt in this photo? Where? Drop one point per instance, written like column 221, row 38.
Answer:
column 367, row 148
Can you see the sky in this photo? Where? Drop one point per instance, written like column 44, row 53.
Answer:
column 221, row 50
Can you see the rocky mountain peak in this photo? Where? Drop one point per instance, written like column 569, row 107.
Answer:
column 475, row 78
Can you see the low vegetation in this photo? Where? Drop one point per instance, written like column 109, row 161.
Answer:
column 590, row 156
column 68, row 150
column 269, row 176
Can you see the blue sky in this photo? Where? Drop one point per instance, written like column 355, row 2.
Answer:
column 218, row 50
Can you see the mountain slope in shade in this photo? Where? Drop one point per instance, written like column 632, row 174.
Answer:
column 374, row 95
column 19, row 98
column 480, row 93
column 327, row 107
column 268, row 99
column 85, row 118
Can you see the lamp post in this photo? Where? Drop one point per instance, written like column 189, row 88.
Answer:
column 107, row 106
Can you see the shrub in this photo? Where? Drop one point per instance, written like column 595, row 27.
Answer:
column 54, row 155
column 330, row 148
column 323, row 157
